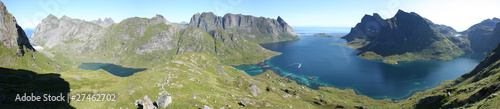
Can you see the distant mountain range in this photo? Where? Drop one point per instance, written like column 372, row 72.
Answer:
column 107, row 22
column 143, row 41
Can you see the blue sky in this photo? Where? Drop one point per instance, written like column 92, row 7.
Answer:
column 459, row 14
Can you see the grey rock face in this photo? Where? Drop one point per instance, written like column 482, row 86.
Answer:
column 11, row 34
column 78, row 39
column 161, row 17
column 146, row 103
column 254, row 29
column 164, row 100
column 484, row 39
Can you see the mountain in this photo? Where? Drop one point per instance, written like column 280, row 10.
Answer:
column 15, row 48
column 443, row 29
column 405, row 37
column 140, row 42
column 489, row 23
column 12, row 35
column 107, row 22
column 253, row 29
column 482, row 39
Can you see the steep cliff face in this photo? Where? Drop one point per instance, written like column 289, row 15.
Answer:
column 254, row 29
column 15, row 48
column 405, row 37
column 11, row 34
column 139, row 42
column 482, row 39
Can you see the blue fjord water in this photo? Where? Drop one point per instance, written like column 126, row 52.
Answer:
column 317, row 61
column 111, row 68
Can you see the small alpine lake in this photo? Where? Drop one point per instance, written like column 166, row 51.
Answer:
column 318, row 61
column 111, row 68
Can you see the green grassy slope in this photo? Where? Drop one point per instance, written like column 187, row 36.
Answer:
column 476, row 89
column 140, row 42
column 197, row 79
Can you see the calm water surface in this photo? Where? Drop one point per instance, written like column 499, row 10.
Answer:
column 338, row 66
column 111, row 68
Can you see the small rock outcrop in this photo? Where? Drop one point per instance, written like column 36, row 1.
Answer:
column 146, row 103
column 163, row 101
column 254, row 89
column 206, row 107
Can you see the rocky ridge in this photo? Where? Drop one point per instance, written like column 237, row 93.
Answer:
column 144, row 41
column 15, row 48
column 405, row 37
column 254, row 29
column 482, row 39
column 12, row 35
column 490, row 23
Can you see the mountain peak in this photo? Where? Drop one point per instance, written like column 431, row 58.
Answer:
column 207, row 14
column 160, row 16
column 51, row 16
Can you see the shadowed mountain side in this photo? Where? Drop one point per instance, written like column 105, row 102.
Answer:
column 13, row 82
column 405, row 37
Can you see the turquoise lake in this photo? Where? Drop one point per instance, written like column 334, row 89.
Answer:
column 111, row 68
column 338, row 66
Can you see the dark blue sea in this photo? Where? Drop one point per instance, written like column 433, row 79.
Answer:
column 338, row 66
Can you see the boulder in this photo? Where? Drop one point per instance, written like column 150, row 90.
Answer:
column 164, row 100
column 146, row 103
column 206, row 107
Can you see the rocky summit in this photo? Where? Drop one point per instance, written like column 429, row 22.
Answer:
column 15, row 48
column 253, row 29
column 12, row 35
column 405, row 37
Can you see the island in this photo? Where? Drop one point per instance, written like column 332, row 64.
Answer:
column 326, row 35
